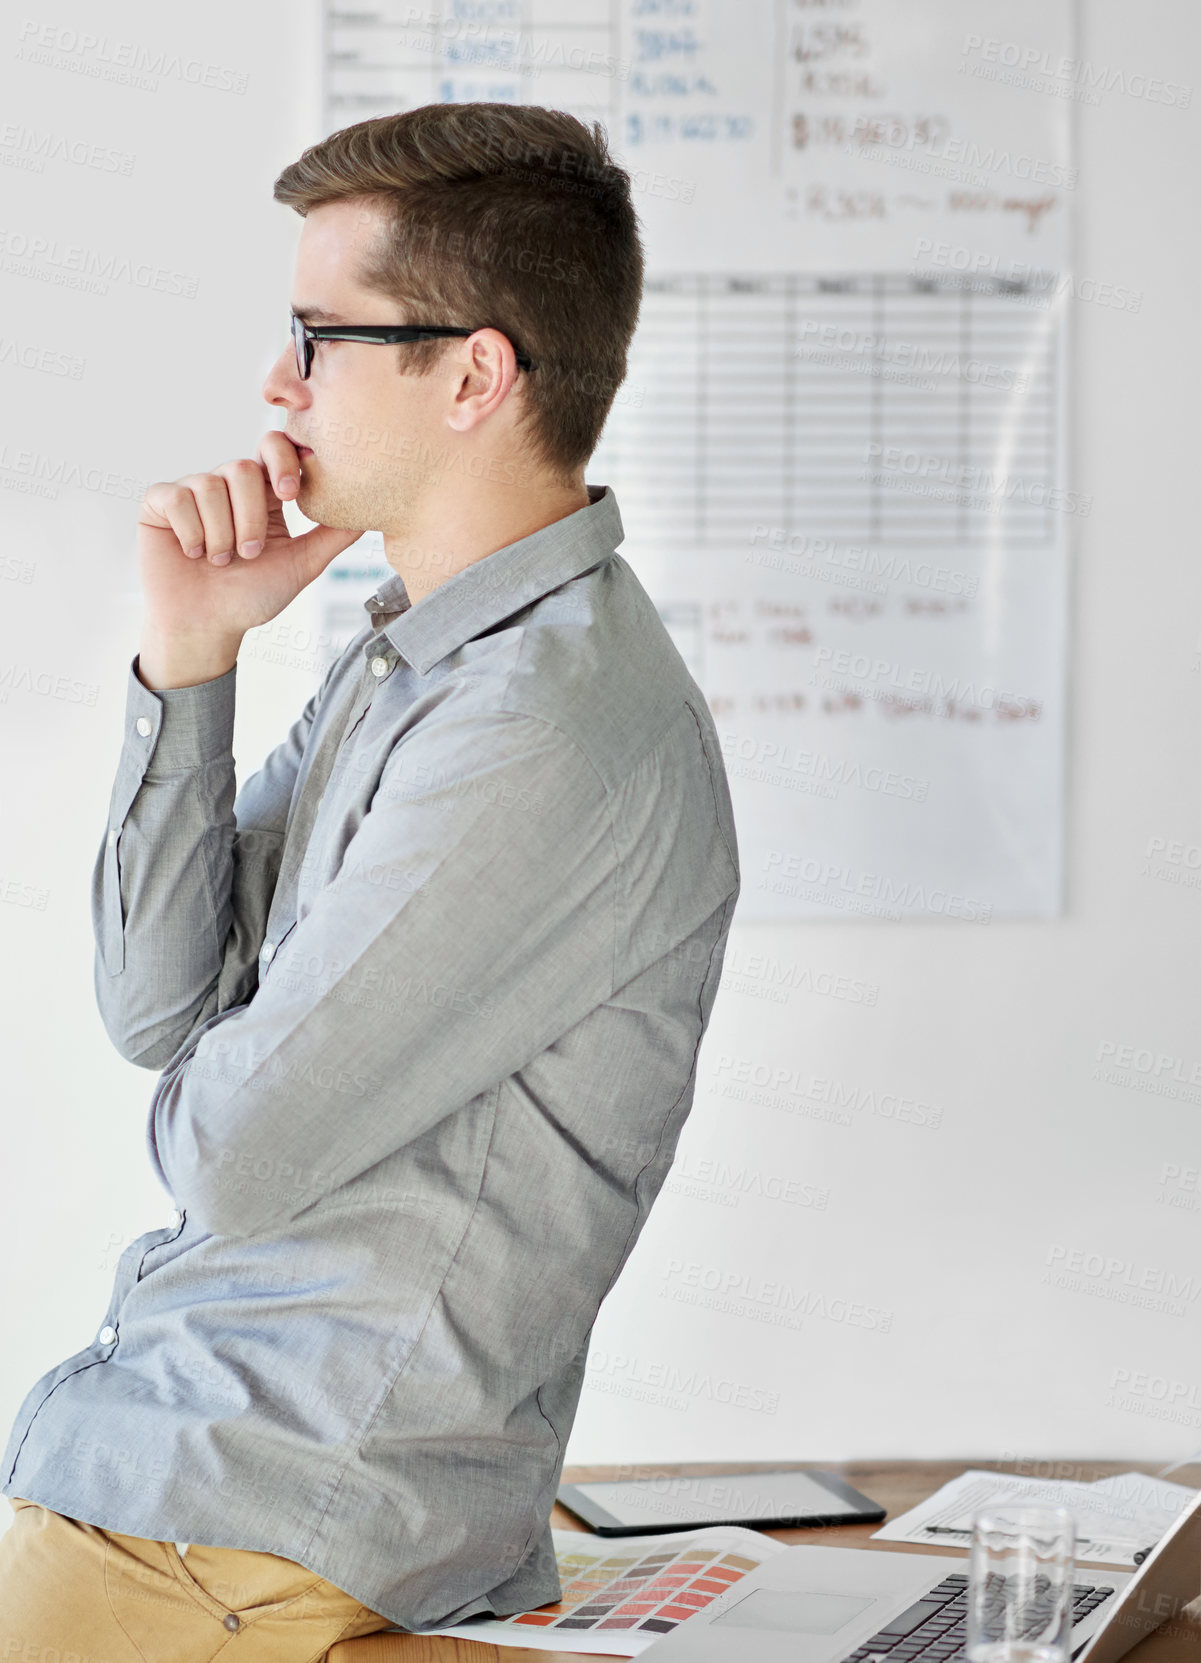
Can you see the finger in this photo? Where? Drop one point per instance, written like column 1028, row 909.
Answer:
column 279, row 457
column 173, row 502
column 246, row 483
column 212, row 499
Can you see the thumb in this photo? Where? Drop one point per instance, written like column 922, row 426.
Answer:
column 314, row 550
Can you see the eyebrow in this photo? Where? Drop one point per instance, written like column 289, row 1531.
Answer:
column 316, row 314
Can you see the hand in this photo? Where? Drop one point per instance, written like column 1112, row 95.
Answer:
column 198, row 587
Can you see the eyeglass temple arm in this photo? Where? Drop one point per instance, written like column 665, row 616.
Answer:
column 395, row 333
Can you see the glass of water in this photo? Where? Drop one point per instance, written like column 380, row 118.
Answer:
column 1020, row 1585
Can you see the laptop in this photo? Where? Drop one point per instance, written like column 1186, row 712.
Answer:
column 847, row 1605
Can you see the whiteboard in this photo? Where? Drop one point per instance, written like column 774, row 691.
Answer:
column 840, row 450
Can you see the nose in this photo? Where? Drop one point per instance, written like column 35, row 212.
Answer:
column 283, row 384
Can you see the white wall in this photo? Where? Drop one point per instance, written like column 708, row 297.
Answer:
column 932, row 1243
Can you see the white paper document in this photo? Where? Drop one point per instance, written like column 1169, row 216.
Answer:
column 1114, row 1516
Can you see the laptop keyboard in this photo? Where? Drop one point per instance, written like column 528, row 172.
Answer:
column 934, row 1629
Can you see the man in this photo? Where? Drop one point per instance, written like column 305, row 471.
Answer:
column 427, row 994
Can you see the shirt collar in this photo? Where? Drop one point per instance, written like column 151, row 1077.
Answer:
column 495, row 587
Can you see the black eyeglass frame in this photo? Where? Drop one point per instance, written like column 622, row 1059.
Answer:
column 304, row 334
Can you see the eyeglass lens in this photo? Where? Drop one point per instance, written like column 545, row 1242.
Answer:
column 302, row 356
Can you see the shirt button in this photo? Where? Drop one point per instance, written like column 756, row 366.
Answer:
column 268, row 949
column 175, row 1217
column 379, row 666
column 107, row 1335
column 113, row 833
column 144, row 725
column 232, row 1620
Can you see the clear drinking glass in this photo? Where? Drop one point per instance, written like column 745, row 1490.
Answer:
column 1020, row 1585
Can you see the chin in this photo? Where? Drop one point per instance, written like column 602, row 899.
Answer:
column 322, row 511
column 308, row 500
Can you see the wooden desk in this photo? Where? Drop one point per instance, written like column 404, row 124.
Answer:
column 896, row 1485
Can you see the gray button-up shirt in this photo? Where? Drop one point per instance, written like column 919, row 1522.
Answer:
column 426, row 997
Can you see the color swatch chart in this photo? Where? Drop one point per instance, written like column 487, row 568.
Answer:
column 620, row 1594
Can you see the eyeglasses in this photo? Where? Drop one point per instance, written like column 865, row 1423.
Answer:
column 304, row 335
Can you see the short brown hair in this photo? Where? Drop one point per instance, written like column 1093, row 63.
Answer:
column 506, row 215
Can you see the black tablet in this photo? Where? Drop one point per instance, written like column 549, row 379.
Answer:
column 762, row 1500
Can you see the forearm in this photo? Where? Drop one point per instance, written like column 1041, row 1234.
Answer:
column 183, row 884
column 162, row 880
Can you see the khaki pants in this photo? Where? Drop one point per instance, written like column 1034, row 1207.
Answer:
column 74, row 1593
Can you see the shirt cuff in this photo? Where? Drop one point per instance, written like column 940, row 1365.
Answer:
column 180, row 727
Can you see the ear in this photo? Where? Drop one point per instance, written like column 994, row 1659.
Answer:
column 489, row 373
